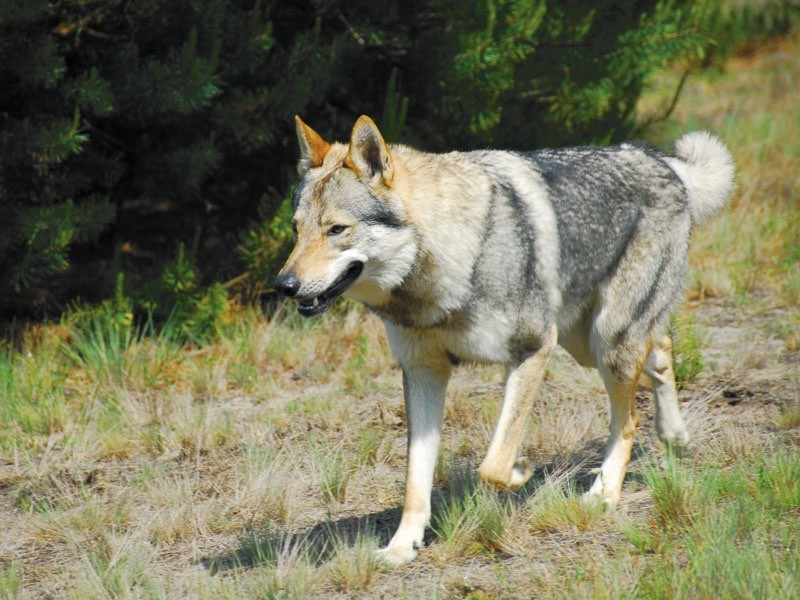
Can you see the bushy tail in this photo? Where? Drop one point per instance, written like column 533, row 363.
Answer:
column 706, row 168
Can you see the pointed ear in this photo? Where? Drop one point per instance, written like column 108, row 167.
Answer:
column 368, row 154
column 312, row 147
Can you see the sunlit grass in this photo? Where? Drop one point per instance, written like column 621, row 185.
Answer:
column 736, row 527
column 10, row 580
column 33, row 387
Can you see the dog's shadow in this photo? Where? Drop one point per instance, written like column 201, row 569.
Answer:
column 261, row 546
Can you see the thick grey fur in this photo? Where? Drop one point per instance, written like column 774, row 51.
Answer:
column 495, row 256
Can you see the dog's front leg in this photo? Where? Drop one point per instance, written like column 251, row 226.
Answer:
column 502, row 466
column 424, row 390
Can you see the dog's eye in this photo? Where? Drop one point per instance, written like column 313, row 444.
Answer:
column 336, row 229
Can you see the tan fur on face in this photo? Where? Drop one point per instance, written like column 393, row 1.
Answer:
column 311, row 259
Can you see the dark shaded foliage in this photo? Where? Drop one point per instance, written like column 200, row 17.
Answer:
column 130, row 127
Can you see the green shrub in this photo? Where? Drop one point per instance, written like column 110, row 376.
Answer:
column 265, row 245
column 198, row 314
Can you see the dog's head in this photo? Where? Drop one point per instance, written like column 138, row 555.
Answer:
column 350, row 223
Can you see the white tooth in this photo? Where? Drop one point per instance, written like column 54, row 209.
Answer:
column 316, row 302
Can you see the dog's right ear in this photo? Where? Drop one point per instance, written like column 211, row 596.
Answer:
column 312, row 147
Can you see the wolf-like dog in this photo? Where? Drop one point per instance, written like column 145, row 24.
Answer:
column 496, row 257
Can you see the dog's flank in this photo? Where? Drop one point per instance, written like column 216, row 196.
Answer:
column 496, row 256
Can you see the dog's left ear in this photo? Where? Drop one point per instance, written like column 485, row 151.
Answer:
column 368, row 154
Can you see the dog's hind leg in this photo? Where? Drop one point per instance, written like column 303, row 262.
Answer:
column 424, row 390
column 502, row 467
column 670, row 425
column 620, row 370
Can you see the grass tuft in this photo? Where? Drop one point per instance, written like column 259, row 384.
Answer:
column 284, row 564
column 10, row 580
column 687, row 358
column 557, row 508
column 676, row 492
column 471, row 519
column 354, row 564
column 335, row 467
column 127, row 572
column 33, row 390
column 790, row 415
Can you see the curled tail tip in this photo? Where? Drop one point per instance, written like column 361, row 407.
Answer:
column 709, row 178
column 700, row 147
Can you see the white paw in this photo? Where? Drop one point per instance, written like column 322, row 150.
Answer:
column 520, row 474
column 598, row 495
column 595, row 499
column 676, row 442
column 394, row 556
column 501, row 479
column 673, row 436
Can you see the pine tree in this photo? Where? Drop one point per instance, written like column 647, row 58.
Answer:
column 128, row 128
column 48, row 198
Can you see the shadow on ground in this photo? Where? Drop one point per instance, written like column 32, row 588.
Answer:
column 268, row 546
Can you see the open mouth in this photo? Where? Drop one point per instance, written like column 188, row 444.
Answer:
column 309, row 307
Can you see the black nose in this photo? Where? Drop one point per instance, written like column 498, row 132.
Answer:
column 287, row 284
